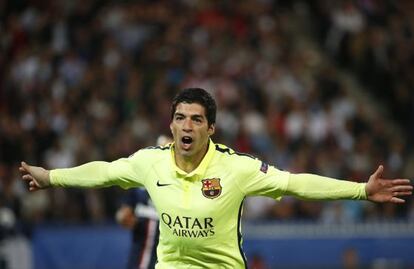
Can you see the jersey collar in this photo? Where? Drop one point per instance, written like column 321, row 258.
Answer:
column 201, row 168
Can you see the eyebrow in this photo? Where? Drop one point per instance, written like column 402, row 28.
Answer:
column 195, row 116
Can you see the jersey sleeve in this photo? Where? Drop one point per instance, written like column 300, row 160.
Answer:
column 124, row 172
column 259, row 178
column 314, row 187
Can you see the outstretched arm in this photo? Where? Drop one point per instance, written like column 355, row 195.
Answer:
column 94, row 174
column 379, row 189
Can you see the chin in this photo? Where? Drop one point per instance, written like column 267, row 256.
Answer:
column 186, row 153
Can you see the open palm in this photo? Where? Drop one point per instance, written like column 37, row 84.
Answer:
column 379, row 189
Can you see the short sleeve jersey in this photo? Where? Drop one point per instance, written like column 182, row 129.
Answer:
column 200, row 211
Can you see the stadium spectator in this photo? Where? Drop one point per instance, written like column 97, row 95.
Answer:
column 138, row 214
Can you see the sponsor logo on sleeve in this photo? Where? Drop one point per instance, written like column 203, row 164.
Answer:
column 264, row 167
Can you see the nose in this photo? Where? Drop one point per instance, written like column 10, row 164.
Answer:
column 188, row 125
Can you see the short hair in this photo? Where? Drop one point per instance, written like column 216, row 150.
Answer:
column 199, row 96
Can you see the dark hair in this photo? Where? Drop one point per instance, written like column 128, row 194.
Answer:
column 199, row 96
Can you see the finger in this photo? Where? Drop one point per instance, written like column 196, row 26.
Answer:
column 24, row 167
column 402, row 193
column 402, row 188
column 33, row 186
column 21, row 169
column 397, row 200
column 401, row 182
column 28, row 177
column 379, row 171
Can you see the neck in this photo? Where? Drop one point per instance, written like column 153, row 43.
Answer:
column 190, row 163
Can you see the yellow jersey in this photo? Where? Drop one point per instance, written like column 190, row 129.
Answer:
column 200, row 211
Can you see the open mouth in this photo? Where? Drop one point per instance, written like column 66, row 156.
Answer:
column 187, row 140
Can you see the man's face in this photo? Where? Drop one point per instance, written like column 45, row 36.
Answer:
column 190, row 130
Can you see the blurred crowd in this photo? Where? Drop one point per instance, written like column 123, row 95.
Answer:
column 93, row 80
column 374, row 39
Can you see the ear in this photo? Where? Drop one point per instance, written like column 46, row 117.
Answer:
column 211, row 129
column 171, row 128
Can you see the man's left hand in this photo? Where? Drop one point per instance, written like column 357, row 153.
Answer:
column 382, row 190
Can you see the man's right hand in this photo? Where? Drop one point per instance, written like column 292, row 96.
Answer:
column 38, row 177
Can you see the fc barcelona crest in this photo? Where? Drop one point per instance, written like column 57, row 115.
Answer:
column 211, row 187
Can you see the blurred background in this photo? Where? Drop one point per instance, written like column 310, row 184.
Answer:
column 324, row 87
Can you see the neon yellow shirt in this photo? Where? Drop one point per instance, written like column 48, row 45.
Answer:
column 200, row 211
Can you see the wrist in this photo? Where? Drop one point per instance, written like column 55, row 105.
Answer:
column 364, row 192
column 49, row 178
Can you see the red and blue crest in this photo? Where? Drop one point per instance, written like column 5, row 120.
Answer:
column 211, row 188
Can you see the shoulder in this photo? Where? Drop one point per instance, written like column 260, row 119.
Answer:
column 231, row 153
column 150, row 154
column 242, row 161
column 157, row 149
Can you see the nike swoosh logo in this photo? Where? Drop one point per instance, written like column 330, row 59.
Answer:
column 161, row 184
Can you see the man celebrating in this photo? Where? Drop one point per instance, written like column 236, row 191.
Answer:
column 198, row 187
